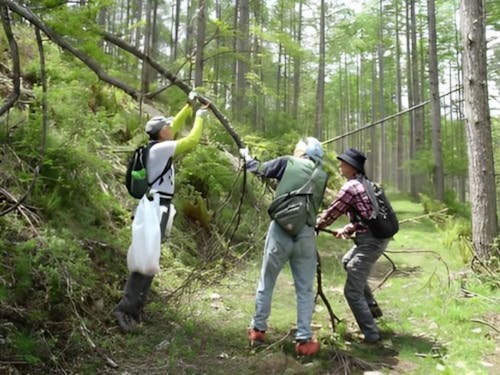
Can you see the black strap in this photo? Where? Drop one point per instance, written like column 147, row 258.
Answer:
column 165, row 170
column 301, row 190
column 146, row 158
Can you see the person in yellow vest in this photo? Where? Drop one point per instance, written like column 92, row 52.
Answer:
column 299, row 251
column 162, row 132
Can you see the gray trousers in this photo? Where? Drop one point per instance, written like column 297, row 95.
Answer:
column 300, row 253
column 138, row 285
column 358, row 262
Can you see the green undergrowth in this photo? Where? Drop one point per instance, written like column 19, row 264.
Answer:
column 63, row 255
column 438, row 317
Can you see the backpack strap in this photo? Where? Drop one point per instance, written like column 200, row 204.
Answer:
column 369, row 186
column 165, row 170
column 145, row 157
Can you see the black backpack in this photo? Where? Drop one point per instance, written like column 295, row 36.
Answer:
column 383, row 223
column 136, row 177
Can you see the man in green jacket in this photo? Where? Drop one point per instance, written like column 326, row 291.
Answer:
column 292, row 172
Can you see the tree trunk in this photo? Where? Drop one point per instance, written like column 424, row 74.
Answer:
column 146, row 69
column 382, row 154
column 296, row 65
column 418, row 115
column 242, row 58
column 320, row 84
column 399, row 120
column 435, row 103
column 200, row 43
column 372, row 153
column 478, row 128
column 177, row 22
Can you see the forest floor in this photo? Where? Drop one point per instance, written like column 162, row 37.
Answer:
column 429, row 325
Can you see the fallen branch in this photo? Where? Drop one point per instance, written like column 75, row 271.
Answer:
column 411, row 219
column 485, row 323
column 83, row 328
column 320, row 292
column 23, row 210
column 438, row 257
column 386, row 277
column 288, row 334
column 425, row 355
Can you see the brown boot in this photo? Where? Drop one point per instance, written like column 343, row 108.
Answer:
column 309, row 348
column 256, row 337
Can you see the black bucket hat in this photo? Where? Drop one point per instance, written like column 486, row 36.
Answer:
column 355, row 158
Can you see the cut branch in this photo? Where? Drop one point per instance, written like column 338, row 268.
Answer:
column 320, row 293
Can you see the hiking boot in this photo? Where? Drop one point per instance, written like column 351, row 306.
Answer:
column 375, row 310
column 310, row 347
column 256, row 337
column 126, row 322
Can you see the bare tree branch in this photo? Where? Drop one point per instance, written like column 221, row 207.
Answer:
column 87, row 60
column 44, row 126
column 176, row 81
column 96, row 68
column 14, row 95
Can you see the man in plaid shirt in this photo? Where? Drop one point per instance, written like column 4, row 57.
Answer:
column 358, row 261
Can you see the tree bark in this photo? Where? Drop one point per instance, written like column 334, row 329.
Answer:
column 320, row 84
column 297, row 65
column 382, row 152
column 200, row 43
column 242, row 43
column 478, row 128
column 435, row 103
column 400, row 147
column 418, row 115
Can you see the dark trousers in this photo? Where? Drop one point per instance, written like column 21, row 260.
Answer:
column 359, row 261
column 138, row 285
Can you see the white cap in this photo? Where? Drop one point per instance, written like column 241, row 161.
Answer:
column 154, row 125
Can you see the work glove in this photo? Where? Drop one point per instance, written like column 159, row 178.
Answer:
column 202, row 112
column 192, row 96
column 245, row 154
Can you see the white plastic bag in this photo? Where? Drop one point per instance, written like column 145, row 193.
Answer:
column 144, row 252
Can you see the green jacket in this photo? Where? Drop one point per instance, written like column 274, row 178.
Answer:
column 297, row 172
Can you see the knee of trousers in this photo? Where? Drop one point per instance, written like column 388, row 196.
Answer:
column 352, row 293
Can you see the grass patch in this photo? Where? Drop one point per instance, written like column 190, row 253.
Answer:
column 438, row 317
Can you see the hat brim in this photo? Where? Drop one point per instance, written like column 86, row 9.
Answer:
column 351, row 162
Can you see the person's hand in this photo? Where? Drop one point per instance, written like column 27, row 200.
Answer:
column 345, row 232
column 245, row 154
column 202, row 112
column 192, row 96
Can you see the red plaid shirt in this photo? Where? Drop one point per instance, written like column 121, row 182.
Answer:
column 351, row 200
